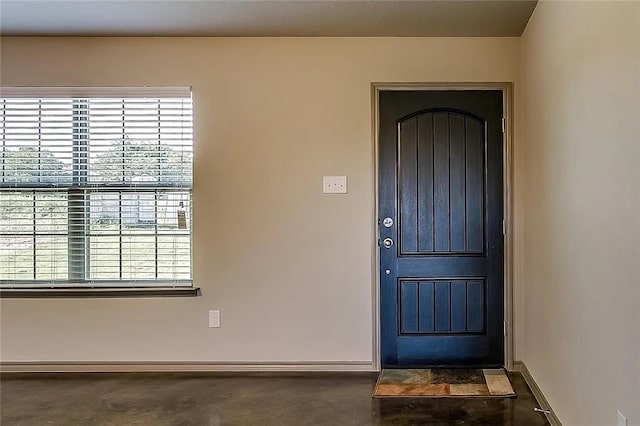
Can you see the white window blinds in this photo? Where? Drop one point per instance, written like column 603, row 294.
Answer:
column 95, row 187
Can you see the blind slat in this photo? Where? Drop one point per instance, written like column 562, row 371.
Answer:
column 94, row 92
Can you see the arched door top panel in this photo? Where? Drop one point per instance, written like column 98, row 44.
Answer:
column 441, row 159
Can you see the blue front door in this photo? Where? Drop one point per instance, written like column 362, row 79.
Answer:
column 440, row 227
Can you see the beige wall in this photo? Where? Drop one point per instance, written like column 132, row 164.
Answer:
column 581, row 140
column 289, row 268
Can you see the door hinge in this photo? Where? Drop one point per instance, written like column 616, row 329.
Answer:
column 504, row 125
column 504, row 328
column 504, row 227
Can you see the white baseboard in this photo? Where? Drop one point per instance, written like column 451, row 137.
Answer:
column 537, row 393
column 153, row 366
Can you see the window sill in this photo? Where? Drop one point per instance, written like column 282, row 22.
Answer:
column 41, row 293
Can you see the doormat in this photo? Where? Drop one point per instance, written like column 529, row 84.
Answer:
column 443, row 383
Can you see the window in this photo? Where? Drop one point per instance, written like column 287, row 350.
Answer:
column 95, row 187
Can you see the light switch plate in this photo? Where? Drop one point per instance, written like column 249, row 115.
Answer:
column 334, row 184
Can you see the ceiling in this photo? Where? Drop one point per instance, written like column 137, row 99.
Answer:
column 425, row 18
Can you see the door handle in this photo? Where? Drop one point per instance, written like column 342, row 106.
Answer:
column 387, row 243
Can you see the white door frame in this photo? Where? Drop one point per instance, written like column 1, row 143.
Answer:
column 507, row 96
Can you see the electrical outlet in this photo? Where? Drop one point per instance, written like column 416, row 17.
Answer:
column 334, row 184
column 214, row 319
column 622, row 420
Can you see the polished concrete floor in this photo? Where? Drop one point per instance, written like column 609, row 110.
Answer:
column 258, row 399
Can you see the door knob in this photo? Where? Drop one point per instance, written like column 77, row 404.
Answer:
column 387, row 242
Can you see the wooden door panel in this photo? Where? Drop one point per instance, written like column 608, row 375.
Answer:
column 441, row 182
column 442, row 307
column 426, row 231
